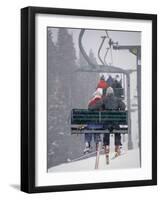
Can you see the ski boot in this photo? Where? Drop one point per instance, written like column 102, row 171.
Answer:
column 117, row 151
column 87, row 148
column 107, row 151
column 97, row 146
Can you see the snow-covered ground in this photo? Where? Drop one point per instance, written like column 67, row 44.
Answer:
column 128, row 159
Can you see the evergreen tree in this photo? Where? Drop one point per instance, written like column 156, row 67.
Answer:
column 66, row 51
column 87, row 80
column 61, row 66
column 67, row 60
column 92, row 57
column 51, row 54
column 82, row 62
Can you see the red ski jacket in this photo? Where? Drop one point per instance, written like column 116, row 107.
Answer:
column 93, row 101
column 102, row 84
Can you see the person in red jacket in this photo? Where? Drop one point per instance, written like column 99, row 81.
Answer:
column 94, row 104
column 103, row 84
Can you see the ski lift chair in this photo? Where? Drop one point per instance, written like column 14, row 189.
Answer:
column 103, row 121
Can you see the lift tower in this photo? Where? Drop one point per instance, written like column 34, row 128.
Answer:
column 135, row 50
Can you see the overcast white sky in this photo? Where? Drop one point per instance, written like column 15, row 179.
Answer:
column 92, row 40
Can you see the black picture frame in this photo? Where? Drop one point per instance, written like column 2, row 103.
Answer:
column 28, row 90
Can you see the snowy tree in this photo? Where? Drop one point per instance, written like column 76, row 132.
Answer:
column 92, row 57
column 82, row 62
column 66, row 51
column 61, row 65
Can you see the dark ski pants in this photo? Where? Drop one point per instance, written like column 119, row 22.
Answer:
column 106, row 139
column 96, row 136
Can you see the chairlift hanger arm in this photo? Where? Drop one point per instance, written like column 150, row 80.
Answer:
column 105, row 68
column 107, row 34
column 83, row 50
column 99, row 50
column 110, row 43
column 106, row 55
column 125, row 47
column 134, row 49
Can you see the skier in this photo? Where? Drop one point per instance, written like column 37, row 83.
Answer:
column 116, row 85
column 116, row 82
column 110, row 80
column 102, row 84
column 110, row 102
column 94, row 104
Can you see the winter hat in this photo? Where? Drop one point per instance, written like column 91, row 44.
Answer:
column 109, row 91
column 117, row 77
column 102, row 77
column 98, row 92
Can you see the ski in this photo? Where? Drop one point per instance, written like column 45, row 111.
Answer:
column 97, row 155
column 107, row 159
column 117, row 156
column 86, row 155
column 107, row 155
column 87, row 150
